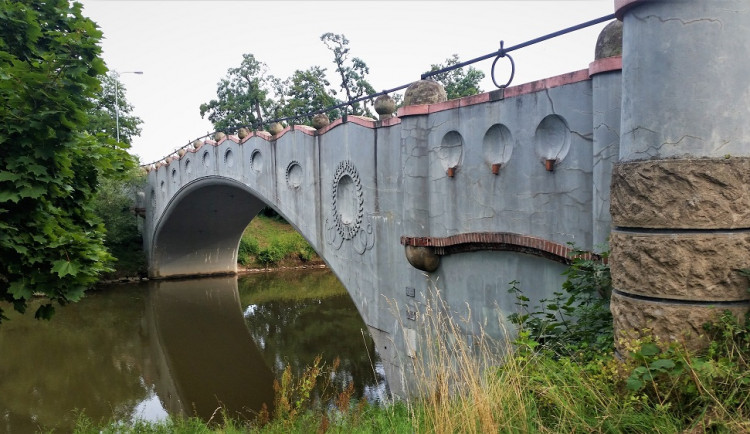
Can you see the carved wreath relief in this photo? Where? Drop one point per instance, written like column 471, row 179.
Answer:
column 348, row 222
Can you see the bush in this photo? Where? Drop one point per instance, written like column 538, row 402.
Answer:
column 576, row 320
column 272, row 254
column 248, row 248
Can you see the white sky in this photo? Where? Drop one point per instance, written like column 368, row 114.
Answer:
column 185, row 47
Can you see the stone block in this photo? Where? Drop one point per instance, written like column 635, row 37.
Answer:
column 682, row 194
column 667, row 322
column 685, row 266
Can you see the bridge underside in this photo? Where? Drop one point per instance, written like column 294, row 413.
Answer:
column 215, row 212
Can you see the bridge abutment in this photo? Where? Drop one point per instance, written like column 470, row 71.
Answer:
column 680, row 203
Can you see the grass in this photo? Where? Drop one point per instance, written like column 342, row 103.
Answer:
column 269, row 241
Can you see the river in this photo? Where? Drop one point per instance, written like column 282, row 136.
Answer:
column 180, row 347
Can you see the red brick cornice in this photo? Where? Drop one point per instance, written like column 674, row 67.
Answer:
column 502, row 241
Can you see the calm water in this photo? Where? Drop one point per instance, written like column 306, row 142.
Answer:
column 179, row 347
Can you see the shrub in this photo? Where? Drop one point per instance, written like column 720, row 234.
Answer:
column 270, row 255
column 576, row 320
column 248, row 248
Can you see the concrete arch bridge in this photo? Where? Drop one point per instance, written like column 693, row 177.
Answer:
column 470, row 194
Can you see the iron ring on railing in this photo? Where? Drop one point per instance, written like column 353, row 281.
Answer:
column 512, row 68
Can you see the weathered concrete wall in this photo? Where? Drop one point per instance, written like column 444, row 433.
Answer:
column 680, row 192
column 492, row 187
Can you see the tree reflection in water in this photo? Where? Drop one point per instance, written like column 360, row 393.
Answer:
column 295, row 316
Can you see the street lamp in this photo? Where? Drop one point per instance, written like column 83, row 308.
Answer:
column 117, row 100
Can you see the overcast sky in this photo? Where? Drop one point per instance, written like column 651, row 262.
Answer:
column 185, row 47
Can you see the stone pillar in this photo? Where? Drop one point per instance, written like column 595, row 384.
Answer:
column 680, row 198
column 606, row 84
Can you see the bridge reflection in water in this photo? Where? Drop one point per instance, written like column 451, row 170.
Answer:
column 204, row 355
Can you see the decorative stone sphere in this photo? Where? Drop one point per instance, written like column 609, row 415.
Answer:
column 320, row 120
column 182, row 152
column 197, row 144
column 425, row 92
column 219, row 136
column 242, row 133
column 275, row 128
column 609, row 42
column 422, row 258
column 385, row 106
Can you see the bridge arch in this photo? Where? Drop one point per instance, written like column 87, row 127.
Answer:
column 201, row 226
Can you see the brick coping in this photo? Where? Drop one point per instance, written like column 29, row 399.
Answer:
column 499, row 241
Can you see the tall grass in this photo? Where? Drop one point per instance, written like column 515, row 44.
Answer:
column 476, row 384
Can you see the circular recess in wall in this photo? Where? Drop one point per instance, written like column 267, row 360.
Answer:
column 188, row 167
column 174, row 176
column 229, row 158
column 497, row 145
column 347, row 200
column 206, row 159
column 163, row 188
column 294, row 175
column 552, row 139
column 256, row 161
column 450, row 150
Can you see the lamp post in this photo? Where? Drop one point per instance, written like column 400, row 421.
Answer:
column 117, row 100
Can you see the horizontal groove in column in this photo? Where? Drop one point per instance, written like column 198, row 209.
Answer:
column 672, row 301
column 670, row 231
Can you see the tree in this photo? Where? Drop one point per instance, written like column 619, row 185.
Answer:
column 116, row 192
column 353, row 73
column 103, row 115
column 242, row 98
column 305, row 92
column 51, row 241
column 114, row 205
column 458, row 83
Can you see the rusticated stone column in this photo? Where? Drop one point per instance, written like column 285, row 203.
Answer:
column 680, row 195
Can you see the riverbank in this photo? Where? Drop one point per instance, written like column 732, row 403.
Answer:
column 270, row 242
column 267, row 244
column 531, row 391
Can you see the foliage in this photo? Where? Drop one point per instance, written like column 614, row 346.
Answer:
column 248, row 247
column 242, row 97
column 51, row 241
column 114, row 205
column 353, row 73
column 269, row 241
column 575, row 320
column 458, row 82
column 306, row 92
column 270, row 255
column 715, row 382
column 103, row 115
